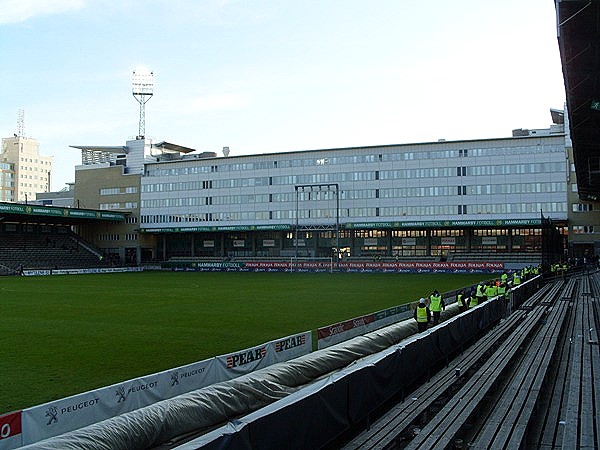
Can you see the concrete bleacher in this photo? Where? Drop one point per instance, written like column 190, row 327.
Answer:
column 42, row 251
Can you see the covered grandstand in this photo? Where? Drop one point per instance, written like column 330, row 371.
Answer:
column 34, row 237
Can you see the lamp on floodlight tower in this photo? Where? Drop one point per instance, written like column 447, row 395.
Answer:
column 142, row 82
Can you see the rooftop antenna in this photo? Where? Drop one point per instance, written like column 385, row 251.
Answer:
column 142, row 82
column 21, row 123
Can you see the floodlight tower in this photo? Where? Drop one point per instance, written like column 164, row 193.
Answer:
column 142, row 82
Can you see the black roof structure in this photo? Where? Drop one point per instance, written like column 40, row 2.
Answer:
column 578, row 27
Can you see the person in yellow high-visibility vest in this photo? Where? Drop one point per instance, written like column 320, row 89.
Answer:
column 491, row 291
column 480, row 294
column 436, row 305
column 473, row 301
column 516, row 278
column 502, row 289
column 422, row 315
column 462, row 300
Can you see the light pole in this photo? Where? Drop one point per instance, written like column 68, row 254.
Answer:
column 142, row 82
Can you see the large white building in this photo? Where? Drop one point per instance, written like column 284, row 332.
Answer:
column 411, row 200
column 31, row 171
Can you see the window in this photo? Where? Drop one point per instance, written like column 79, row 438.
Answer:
column 582, row 207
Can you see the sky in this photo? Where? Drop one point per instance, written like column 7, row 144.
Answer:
column 267, row 76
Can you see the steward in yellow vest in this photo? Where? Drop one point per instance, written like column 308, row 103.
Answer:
column 436, row 305
column 422, row 315
column 462, row 301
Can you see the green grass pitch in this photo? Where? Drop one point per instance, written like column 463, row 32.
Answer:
column 63, row 335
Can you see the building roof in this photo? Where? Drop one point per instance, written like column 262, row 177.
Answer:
column 101, row 148
column 578, row 23
column 173, row 147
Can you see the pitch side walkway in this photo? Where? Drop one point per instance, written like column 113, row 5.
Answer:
column 533, row 382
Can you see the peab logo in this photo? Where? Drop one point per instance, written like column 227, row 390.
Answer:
column 290, row 342
column 240, row 359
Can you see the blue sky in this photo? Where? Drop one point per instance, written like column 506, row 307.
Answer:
column 264, row 76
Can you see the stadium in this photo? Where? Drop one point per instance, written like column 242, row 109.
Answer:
column 480, row 207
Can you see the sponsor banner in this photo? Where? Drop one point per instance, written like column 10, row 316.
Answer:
column 246, row 361
column 340, row 332
column 239, row 242
column 204, row 266
column 292, row 347
column 242, row 362
column 68, row 414
column 343, row 266
column 64, row 415
column 38, row 210
column 409, row 241
column 489, row 240
column 81, row 271
column 268, row 242
column 209, row 244
column 371, row 242
column 10, row 431
column 37, row 272
column 216, row 228
column 445, row 223
column 448, row 241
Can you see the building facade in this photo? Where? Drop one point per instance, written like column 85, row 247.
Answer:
column 31, row 170
column 429, row 200
column 416, row 200
column 7, row 182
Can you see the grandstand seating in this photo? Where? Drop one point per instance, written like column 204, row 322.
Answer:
column 528, row 258
column 45, row 251
column 535, row 390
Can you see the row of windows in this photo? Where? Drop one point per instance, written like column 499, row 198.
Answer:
column 328, row 195
column 32, row 177
column 119, row 190
column 108, row 237
column 32, row 169
column 34, row 160
column 326, row 213
column 434, row 172
column 117, row 205
column 584, row 229
column 378, row 233
column 354, row 159
column 582, row 207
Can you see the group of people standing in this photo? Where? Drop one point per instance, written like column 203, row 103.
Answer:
column 428, row 310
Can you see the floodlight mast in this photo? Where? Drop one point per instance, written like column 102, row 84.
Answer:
column 142, row 82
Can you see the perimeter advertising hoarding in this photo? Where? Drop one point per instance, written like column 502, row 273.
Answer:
column 61, row 416
column 342, row 331
column 10, row 431
column 342, row 266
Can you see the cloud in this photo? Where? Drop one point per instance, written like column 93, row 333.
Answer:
column 16, row 11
